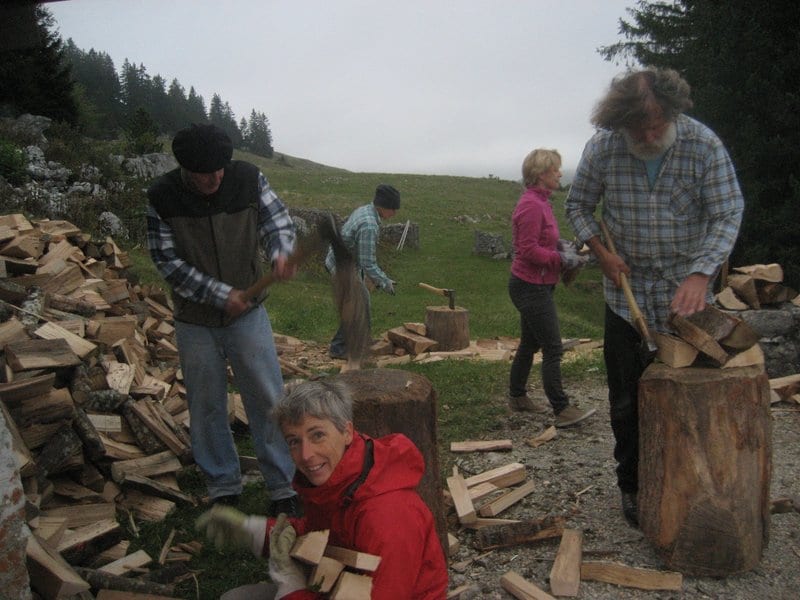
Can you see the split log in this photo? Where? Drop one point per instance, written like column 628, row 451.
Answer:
column 92, row 444
column 156, row 464
column 80, row 545
column 325, row 574
column 40, row 354
column 105, row 581
column 352, row 587
column 383, row 401
column 449, row 327
column 498, row 505
column 619, row 574
column 463, row 503
column 310, row 548
column 565, row 576
column 705, row 466
column 772, row 272
column 745, row 288
column 352, row 558
column 412, row 342
column 519, row 587
column 156, row 488
column 698, row 338
column 50, row 575
column 503, row 536
column 727, row 299
column 674, row 351
column 505, row 476
column 480, row 446
column 58, row 450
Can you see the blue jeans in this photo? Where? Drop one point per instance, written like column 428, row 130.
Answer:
column 624, row 368
column 204, row 352
column 540, row 331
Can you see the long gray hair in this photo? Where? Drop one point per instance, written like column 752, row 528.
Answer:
column 321, row 399
column 633, row 99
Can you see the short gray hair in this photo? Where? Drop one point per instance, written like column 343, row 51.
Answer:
column 633, row 98
column 331, row 400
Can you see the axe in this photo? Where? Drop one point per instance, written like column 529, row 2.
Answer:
column 326, row 233
column 450, row 294
column 648, row 347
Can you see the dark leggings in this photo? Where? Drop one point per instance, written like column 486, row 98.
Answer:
column 540, row 331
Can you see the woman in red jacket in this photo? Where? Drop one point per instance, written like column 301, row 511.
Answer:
column 362, row 489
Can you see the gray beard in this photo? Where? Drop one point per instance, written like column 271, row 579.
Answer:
column 655, row 150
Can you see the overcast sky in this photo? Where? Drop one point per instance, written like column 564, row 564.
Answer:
column 458, row 87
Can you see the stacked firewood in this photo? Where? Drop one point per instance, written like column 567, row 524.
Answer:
column 92, row 395
column 719, row 338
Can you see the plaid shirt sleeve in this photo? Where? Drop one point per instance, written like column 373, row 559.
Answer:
column 366, row 249
column 186, row 281
column 276, row 229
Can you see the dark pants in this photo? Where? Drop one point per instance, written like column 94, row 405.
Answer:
column 624, row 368
column 540, row 331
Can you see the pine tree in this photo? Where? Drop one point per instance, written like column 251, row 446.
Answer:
column 34, row 76
column 742, row 61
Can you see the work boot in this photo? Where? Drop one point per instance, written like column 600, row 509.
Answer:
column 572, row 415
column 630, row 508
column 290, row 506
column 527, row 404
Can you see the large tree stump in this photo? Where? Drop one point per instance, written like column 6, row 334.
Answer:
column 393, row 401
column 448, row 326
column 705, row 462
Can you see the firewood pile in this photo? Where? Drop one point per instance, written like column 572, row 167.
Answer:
column 92, row 395
column 719, row 338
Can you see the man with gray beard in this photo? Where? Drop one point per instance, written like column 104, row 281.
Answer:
column 672, row 204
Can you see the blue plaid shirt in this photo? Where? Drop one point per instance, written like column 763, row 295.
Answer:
column 276, row 233
column 687, row 222
column 360, row 233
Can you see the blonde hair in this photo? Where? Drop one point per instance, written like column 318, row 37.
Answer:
column 537, row 163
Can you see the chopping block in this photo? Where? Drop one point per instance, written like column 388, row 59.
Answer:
column 705, row 462
column 448, row 325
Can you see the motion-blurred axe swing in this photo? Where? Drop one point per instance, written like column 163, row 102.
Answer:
column 348, row 292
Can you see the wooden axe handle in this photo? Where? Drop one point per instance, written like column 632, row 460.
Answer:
column 636, row 313
column 435, row 290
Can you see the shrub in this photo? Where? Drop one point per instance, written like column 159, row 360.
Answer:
column 12, row 163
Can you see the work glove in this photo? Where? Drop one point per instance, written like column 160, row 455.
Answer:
column 389, row 287
column 570, row 259
column 283, row 570
column 227, row 527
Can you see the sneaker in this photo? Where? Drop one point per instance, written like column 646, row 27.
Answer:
column 573, row 415
column 630, row 508
column 527, row 404
column 289, row 505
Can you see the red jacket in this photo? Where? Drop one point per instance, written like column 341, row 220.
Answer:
column 535, row 235
column 385, row 517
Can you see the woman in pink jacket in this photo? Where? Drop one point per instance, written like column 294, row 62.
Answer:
column 539, row 258
column 361, row 489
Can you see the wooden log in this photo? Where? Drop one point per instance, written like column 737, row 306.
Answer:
column 157, row 489
column 565, row 575
column 55, row 405
column 81, row 515
column 82, row 544
column 40, row 354
column 480, row 446
column 705, row 467
column 383, row 401
column 727, row 299
column 310, row 548
column 58, row 450
column 772, row 272
column 635, row 577
column 745, row 288
column 352, row 558
column 155, row 464
column 325, row 574
column 50, row 575
column 352, row 587
column 449, row 327
column 519, row 587
column 502, row 536
column 147, row 508
column 698, row 338
column 775, row 293
column 123, row 565
column 674, row 351
column 106, row 581
column 504, row 476
column 463, row 503
column 498, row 505
column 412, row 342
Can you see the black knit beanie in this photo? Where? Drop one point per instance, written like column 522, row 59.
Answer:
column 202, row 148
column 387, row 197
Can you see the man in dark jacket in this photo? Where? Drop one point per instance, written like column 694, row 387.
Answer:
column 206, row 222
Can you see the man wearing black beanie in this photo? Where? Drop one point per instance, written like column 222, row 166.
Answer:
column 360, row 233
column 206, row 224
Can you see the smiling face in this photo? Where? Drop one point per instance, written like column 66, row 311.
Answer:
column 316, row 446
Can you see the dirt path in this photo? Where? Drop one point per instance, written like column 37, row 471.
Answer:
column 574, row 477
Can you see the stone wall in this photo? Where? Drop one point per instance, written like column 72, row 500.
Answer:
column 779, row 331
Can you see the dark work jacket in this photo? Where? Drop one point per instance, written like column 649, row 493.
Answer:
column 217, row 234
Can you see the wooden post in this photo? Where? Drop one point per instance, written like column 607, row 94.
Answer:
column 705, row 461
column 448, row 326
column 394, row 401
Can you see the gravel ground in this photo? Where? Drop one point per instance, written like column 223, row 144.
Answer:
column 574, row 477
